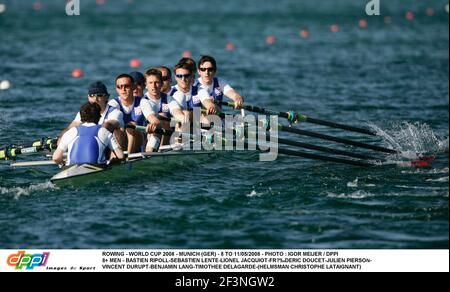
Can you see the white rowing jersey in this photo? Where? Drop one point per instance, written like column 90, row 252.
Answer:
column 87, row 143
column 193, row 98
column 218, row 87
column 131, row 113
column 165, row 105
column 111, row 113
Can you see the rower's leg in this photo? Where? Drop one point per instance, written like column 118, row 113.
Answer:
column 165, row 140
column 121, row 138
column 153, row 143
column 134, row 141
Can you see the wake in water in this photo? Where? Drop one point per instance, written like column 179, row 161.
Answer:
column 412, row 139
column 17, row 192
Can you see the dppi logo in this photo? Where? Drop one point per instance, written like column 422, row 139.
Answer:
column 22, row 260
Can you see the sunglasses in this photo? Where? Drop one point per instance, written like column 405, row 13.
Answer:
column 210, row 70
column 99, row 95
column 181, row 76
column 166, row 78
column 123, row 86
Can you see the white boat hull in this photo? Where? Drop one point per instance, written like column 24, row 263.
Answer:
column 86, row 174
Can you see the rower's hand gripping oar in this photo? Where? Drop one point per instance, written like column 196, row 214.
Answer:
column 294, row 117
column 11, row 152
column 159, row 131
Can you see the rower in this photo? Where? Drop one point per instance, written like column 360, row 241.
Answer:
column 166, row 78
column 156, row 104
column 88, row 142
column 130, row 106
column 216, row 87
column 190, row 62
column 139, row 84
column 188, row 96
column 111, row 117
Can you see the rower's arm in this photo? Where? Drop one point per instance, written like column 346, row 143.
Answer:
column 58, row 156
column 119, row 153
column 207, row 102
column 236, row 97
column 115, row 147
column 180, row 116
column 111, row 125
column 153, row 119
column 154, row 122
column 63, row 145
column 210, row 106
column 72, row 125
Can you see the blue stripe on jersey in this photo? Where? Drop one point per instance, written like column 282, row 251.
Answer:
column 86, row 148
column 135, row 115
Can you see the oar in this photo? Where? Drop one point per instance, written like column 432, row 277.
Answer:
column 311, row 146
column 326, row 137
column 129, row 156
column 336, row 139
column 11, row 152
column 159, row 131
column 312, row 156
column 33, row 163
column 294, row 117
column 297, row 153
column 288, row 152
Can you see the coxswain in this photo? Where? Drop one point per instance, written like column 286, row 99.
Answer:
column 111, row 117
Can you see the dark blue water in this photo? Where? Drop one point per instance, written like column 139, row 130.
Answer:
column 394, row 76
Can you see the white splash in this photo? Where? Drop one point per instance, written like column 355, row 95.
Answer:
column 254, row 194
column 441, row 179
column 360, row 194
column 17, row 192
column 412, row 139
column 353, row 184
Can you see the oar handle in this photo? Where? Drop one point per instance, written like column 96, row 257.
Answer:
column 166, row 119
column 159, row 131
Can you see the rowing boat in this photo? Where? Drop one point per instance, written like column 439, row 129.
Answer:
column 138, row 165
column 143, row 164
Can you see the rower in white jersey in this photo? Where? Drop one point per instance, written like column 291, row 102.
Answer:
column 166, row 78
column 190, row 62
column 139, row 84
column 89, row 142
column 130, row 106
column 188, row 96
column 217, row 87
column 155, row 105
column 111, row 117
